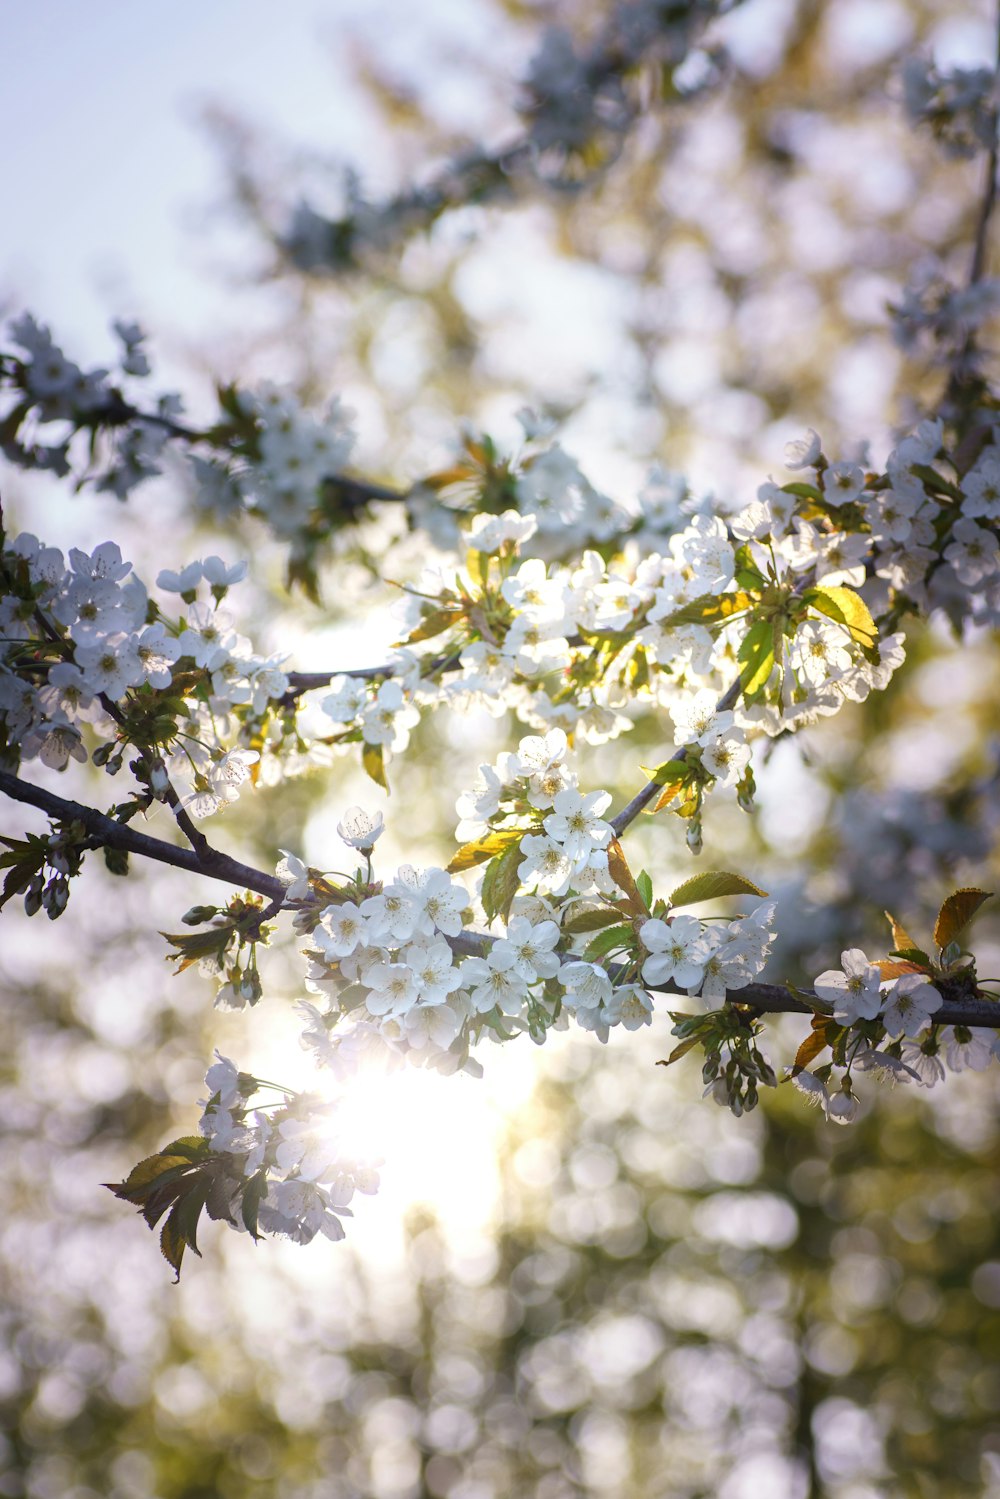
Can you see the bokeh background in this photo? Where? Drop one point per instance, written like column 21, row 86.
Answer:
column 578, row 1279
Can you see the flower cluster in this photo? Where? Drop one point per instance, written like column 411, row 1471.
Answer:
column 83, row 647
column 882, row 1017
column 959, row 105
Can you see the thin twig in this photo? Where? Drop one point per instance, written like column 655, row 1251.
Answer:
column 642, row 798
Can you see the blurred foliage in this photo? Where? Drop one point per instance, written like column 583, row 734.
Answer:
column 665, row 1301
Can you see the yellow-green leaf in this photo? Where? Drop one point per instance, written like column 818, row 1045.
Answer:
column 591, row 921
column 713, row 885
column 671, row 775
column 956, row 913
column 500, row 881
column 482, row 849
column 710, row 608
column 373, row 760
column 756, row 657
column 679, row 1051
column 846, row 608
column 433, row 623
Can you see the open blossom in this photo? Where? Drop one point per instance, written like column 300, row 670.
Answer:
column 729, row 964
column 630, row 1006
column 348, row 698
column 678, row 951
column 698, row 720
column 973, row 553
column 157, row 651
column 209, row 636
column 184, row 581
column 393, row 987
column 576, row 825
column 727, row 757
column 533, row 946
column 110, row 667
column 545, row 862
column 854, row 991
column 432, row 964
column 804, row 452
column 342, row 929
column 587, row 985
column 429, row 1026
column 842, row 482
column 495, row 980
column 360, row 829
column 909, row 1005
column 389, row 718
column 440, row 900
column 294, row 875
column 820, row 652
column 489, row 532
column 223, row 1078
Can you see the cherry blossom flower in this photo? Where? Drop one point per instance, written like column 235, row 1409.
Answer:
column 854, row 991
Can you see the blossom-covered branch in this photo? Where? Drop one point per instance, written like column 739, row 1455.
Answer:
column 579, row 104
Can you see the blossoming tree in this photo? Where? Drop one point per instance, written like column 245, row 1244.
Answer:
column 550, row 604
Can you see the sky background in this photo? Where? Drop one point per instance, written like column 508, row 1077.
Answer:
column 108, row 178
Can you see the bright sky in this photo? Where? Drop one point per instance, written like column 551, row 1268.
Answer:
column 105, row 170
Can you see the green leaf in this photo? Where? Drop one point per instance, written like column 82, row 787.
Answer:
column 956, row 913
column 482, row 849
column 607, row 941
column 710, row 608
column 181, row 1227
column 756, row 657
column 500, row 882
column 748, row 574
column 936, row 482
column 804, row 491
column 194, row 1147
column 253, row 1195
column 849, row 609
column 148, row 1175
column 373, row 760
column 435, row 622
column 712, row 885
column 591, row 921
column 477, row 565
column 912, row 955
column 680, row 1050
column 672, row 775
column 644, row 885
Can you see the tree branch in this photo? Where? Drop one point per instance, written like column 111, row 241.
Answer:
column 354, row 491
column 764, row 998
column 113, row 834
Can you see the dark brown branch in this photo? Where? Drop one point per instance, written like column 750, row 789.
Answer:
column 110, row 833
column 961, row 368
column 771, row 999
column 764, row 998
